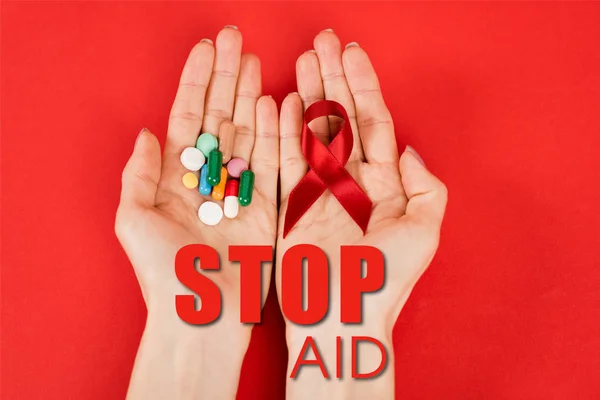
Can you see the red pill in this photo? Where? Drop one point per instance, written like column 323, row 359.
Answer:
column 231, row 206
column 232, row 187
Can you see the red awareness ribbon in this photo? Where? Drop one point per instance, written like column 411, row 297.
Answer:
column 327, row 170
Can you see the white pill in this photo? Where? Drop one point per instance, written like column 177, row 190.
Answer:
column 192, row 159
column 231, row 206
column 210, row 213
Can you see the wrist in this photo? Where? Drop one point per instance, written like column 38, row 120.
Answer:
column 178, row 360
column 226, row 331
column 374, row 323
column 325, row 337
column 349, row 352
column 356, row 362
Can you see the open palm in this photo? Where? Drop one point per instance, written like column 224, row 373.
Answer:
column 158, row 215
column 408, row 201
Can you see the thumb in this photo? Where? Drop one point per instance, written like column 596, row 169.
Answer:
column 427, row 195
column 142, row 172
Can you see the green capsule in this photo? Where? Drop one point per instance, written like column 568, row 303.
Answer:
column 246, row 188
column 215, row 162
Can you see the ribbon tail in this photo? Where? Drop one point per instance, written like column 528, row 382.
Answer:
column 354, row 200
column 357, row 210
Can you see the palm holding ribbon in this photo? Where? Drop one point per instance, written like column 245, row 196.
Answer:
column 408, row 201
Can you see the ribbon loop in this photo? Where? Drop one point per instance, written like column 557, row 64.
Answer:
column 327, row 170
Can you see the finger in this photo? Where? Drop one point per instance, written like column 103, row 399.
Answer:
column 374, row 120
column 248, row 91
column 292, row 165
column 329, row 51
column 142, row 173
column 310, row 88
column 185, row 120
column 265, row 156
column 221, row 91
column 427, row 195
column 187, row 111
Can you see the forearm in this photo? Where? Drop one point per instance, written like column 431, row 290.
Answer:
column 309, row 382
column 177, row 360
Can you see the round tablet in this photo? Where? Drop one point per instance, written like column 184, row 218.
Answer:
column 206, row 143
column 236, row 166
column 192, row 159
column 210, row 213
column 190, row 180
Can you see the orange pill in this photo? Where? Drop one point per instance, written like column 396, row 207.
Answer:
column 190, row 180
column 218, row 191
column 226, row 138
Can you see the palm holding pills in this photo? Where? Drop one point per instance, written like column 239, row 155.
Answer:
column 220, row 94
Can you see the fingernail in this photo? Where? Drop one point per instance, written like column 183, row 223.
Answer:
column 352, row 44
column 207, row 41
column 414, row 153
column 231, row 26
column 327, row 30
column 311, row 51
column 137, row 139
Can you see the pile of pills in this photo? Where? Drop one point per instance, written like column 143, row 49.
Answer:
column 221, row 177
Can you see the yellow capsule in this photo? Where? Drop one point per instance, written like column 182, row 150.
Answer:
column 218, row 191
column 190, row 180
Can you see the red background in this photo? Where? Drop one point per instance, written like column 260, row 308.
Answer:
column 501, row 100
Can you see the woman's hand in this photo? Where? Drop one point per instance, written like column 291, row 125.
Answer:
column 158, row 215
column 408, row 207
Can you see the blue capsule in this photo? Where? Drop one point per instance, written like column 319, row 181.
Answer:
column 203, row 187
